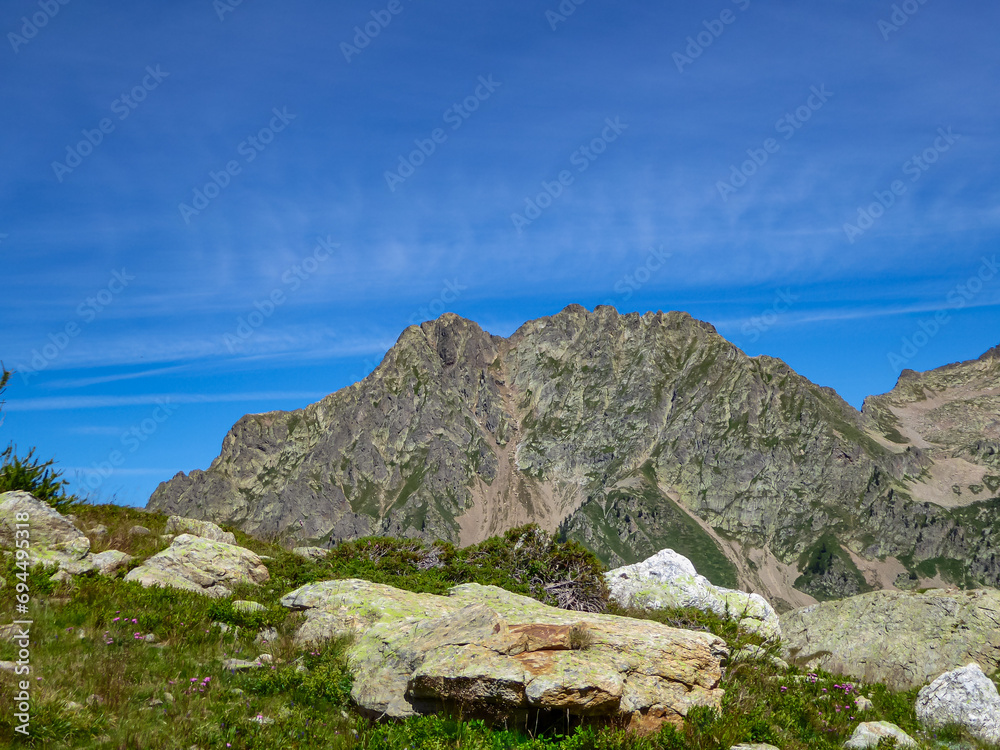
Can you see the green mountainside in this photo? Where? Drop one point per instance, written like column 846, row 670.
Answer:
column 629, row 433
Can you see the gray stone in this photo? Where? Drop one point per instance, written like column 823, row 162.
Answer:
column 311, row 553
column 900, row 638
column 111, row 561
column 868, row 734
column 963, row 696
column 668, row 579
column 139, row 531
column 757, row 653
column 54, row 540
column 242, row 605
column 205, row 529
column 61, row 576
column 483, row 646
column 8, row 666
column 266, row 636
column 862, row 703
column 240, row 665
column 202, row 565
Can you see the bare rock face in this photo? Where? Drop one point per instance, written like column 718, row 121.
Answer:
column 668, row 579
column 489, row 650
column 902, row 639
column 205, row 529
column 201, row 565
column 963, row 696
column 630, row 433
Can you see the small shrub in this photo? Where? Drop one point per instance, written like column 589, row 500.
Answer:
column 37, row 477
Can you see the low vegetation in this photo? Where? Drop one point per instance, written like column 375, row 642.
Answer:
column 98, row 683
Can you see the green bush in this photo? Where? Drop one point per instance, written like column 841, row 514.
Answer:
column 35, row 476
column 525, row 560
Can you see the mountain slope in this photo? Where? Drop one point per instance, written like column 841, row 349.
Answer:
column 630, row 433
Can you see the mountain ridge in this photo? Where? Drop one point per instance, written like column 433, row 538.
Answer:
column 629, row 433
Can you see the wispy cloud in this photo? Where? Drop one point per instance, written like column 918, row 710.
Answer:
column 64, row 403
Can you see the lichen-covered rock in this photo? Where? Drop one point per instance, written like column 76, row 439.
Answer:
column 668, row 579
column 52, row 538
column 963, row 696
column 202, row 565
column 869, row 733
column 485, row 648
column 242, row 605
column 177, row 525
column 311, row 553
column 900, row 638
column 111, row 561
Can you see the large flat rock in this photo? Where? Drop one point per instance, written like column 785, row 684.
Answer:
column 202, row 565
column 487, row 649
column 900, row 638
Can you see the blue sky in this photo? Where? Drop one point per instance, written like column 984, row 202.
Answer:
column 210, row 209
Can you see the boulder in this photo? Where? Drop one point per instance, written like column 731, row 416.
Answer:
column 111, row 561
column 963, row 696
column 53, row 539
column 668, row 579
column 868, row 734
column 177, row 525
column 900, row 638
column 493, row 652
column 139, row 531
column 202, row 565
column 311, row 553
column 241, row 605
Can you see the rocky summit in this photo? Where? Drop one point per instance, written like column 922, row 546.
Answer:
column 631, row 434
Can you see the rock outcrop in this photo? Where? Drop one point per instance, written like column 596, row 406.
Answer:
column 205, row 529
column 492, row 651
column 668, row 579
column 963, row 696
column 201, row 565
column 51, row 538
column 899, row 638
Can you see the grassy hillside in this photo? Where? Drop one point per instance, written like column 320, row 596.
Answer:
column 98, row 684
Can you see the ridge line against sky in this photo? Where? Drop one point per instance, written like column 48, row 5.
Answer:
column 255, row 201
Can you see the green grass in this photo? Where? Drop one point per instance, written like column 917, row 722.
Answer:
column 175, row 693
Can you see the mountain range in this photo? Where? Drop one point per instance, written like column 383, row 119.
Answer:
column 630, row 434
